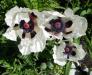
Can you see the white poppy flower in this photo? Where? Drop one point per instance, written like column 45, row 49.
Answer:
column 53, row 24
column 25, row 23
column 76, row 26
column 70, row 51
column 14, row 18
column 67, row 25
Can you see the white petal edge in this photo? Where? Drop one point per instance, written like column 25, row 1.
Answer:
column 72, row 72
column 38, row 43
column 49, row 15
column 10, row 15
column 61, row 63
column 10, row 34
column 23, row 14
column 73, row 65
column 24, row 46
column 79, row 27
column 58, row 59
column 80, row 53
column 19, row 33
column 68, row 12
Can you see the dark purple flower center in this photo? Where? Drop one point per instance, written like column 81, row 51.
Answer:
column 28, row 27
column 70, row 50
column 57, row 25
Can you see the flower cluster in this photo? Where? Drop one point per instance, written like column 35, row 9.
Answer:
column 34, row 28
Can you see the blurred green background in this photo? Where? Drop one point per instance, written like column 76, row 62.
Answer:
column 11, row 60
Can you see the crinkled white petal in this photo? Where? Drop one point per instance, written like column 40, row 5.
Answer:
column 58, row 56
column 10, row 34
column 78, row 27
column 57, row 36
column 24, row 15
column 10, row 15
column 36, row 44
column 21, row 16
column 24, row 9
column 72, row 72
column 58, row 51
column 16, row 14
column 46, row 34
column 68, row 13
column 80, row 53
column 40, row 17
column 54, row 13
column 59, row 62
column 73, row 66
column 19, row 33
column 49, row 15
column 24, row 46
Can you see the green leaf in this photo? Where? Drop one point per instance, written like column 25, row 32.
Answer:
column 88, row 46
column 67, row 69
column 89, row 11
column 83, row 13
column 28, row 3
column 76, row 9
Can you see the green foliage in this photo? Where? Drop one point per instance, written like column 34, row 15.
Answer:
column 88, row 45
column 67, row 68
column 41, row 4
column 13, row 63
